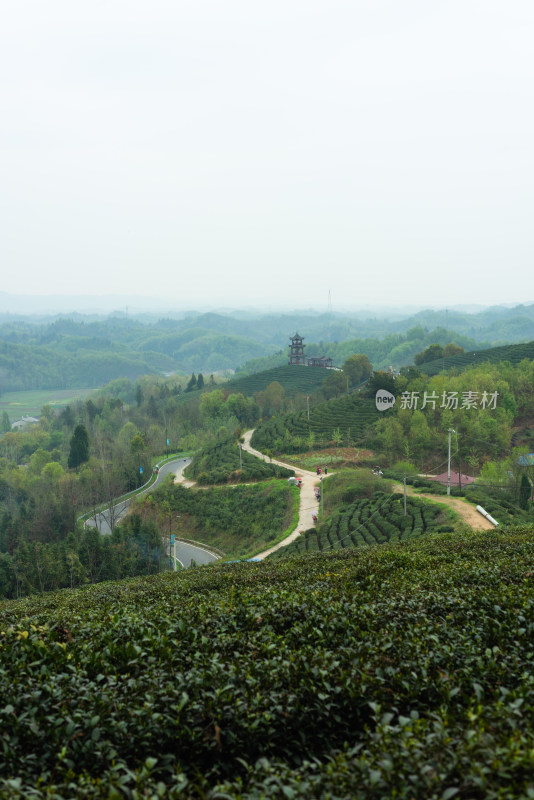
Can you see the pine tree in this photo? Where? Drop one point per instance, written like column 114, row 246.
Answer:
column 525, row 491
column 79, row 447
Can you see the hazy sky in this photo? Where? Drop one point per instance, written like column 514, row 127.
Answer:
column 238, row 152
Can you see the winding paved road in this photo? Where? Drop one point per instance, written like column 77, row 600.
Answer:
column 184, row 552
column 106, row 519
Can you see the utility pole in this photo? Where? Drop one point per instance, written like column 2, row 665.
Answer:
column 308, row 405
column 240, row 456
column 404, row 482
column 451, row 430
column 322, row 496
column 459, row 465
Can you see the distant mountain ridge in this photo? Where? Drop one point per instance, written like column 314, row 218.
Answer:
column 98, row 348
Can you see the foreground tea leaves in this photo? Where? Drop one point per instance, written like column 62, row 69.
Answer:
column 403, row 670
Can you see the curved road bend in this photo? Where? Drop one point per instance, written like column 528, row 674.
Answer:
column 309, row 504
column 185, row 553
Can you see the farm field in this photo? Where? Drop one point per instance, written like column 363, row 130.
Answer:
column 372, row 521
column 331, row 457
column 31, row 402
column 404, row 671
column 238, row 520
column 223, row 462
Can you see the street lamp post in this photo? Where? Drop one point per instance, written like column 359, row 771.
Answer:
column 451, row 430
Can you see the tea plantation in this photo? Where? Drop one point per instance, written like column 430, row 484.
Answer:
column 294, row 380
column 514, row 353
column 372, row 521
column 222, row 463
column 349, row 416
column 402, row 670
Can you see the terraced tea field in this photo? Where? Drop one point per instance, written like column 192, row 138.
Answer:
column 348, row 416
column 295, row 380
column 373, row 521
column 514, row 353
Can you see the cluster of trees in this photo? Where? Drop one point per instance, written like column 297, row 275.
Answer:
column 417, row 431
column 73, row 462
column 435, row 351
column 356, row 370
column 82, row 556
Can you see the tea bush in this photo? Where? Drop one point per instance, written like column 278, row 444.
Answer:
column 404, row 671
column 238, row 520
column 371, row 521
column 220, row 463
column 351, row 416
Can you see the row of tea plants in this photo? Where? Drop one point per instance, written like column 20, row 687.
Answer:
column 344, row 419
column 222, row 463
column 371, row 521
column 405, row 671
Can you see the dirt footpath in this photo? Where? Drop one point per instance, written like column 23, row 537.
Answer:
column 465, row 510
column 309, row 504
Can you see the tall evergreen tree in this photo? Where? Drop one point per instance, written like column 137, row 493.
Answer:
column 79, row 447
column 525, row 491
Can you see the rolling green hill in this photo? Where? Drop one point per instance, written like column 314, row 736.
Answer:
column 293, row 379
column 514, row 353
column 371, row 521
column 346, row 418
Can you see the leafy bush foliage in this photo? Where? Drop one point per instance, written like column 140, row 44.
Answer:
column 219, row 463
column 238, row 520
column 371, row 521
column 399, row 671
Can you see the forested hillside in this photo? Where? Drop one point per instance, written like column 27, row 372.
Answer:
column 73, row 351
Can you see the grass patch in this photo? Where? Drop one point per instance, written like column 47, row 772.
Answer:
column 30, row 403
column 331, row 457
column 239, row 520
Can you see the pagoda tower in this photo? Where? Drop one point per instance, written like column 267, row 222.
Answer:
column 296, row 350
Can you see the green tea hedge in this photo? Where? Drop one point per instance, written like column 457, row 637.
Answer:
column 400, row 671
